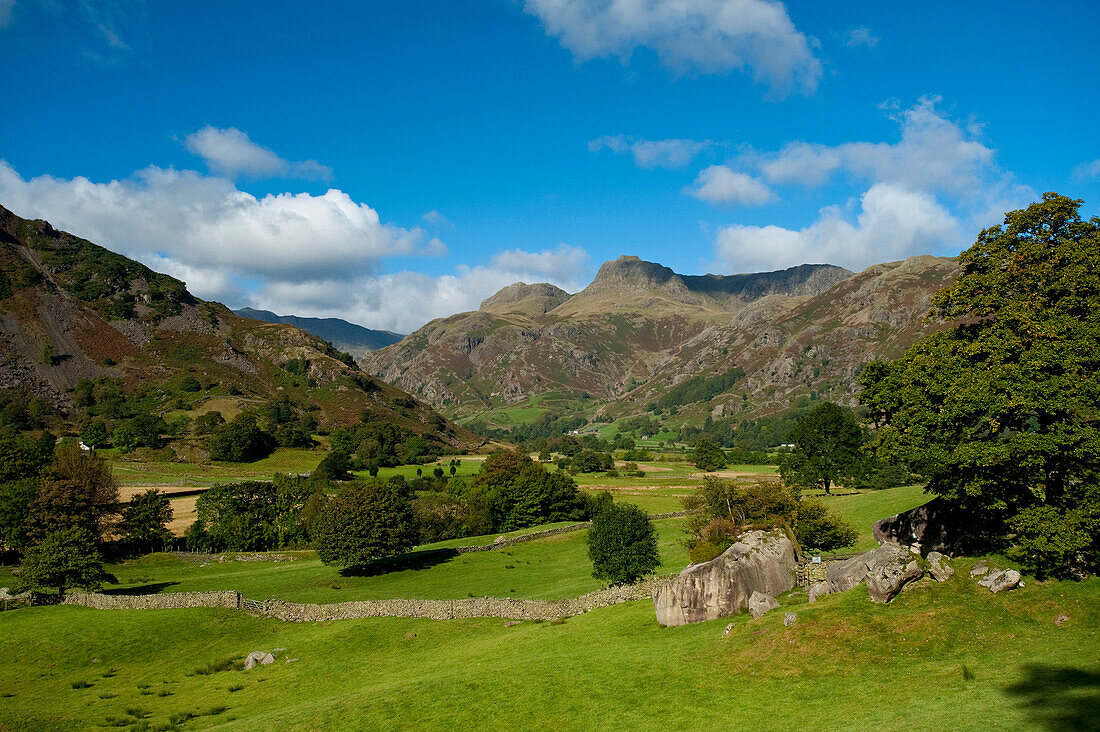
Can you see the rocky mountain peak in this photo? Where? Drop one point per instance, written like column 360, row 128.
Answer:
column 520, row 297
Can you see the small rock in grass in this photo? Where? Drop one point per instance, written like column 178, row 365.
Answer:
column 938, row 567
column 410, row 636
column 510, row 623
column 790, row 619
column 818, row 590
column 1061, row 620
column 979, row 569
column 988, row 579
column 760, row 603
column 728, row 630
column 258, row 658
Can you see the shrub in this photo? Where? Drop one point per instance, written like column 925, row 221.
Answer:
column 819, row 528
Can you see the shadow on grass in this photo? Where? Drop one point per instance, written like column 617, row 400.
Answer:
column 425, row 559
column 1062, row 698
column 149, row 589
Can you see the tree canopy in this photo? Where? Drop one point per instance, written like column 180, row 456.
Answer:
column 145, row 520
column 66, row 558
column 1001, row 411
column 708, row 456
column 827, row 448
column 365, row 522
column 622, row 542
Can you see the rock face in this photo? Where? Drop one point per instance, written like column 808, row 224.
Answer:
column 1001, row 581
column 889, row 568
column 938, row 567
column 760, row 603
column 759, row 562
column 843, row 576
column 927, row 528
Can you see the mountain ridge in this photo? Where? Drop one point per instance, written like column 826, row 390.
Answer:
column 350, row 337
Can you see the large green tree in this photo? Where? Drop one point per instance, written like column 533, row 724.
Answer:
column 520, row 492
column 145, row 520
column 827, row 448
column 1001, row 411
column 622, row 542
column 365, row 522
column 67, row 558
column 708, row 456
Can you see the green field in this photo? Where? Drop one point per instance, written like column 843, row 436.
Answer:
column 948, row 656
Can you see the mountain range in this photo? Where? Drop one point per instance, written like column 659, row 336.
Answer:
column 72, row 311
column 348, row 337
column 767, row 341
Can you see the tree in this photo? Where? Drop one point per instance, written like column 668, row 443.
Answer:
column 240, row 440
column 622, row 542
column 145, row 519
column 334, row 466
column 521, row 492
column 364, row 523
column 66, row 558
column 708, row 456
column 78, row 491
column 827, row 448
column 94, row 433
column 1001, row 411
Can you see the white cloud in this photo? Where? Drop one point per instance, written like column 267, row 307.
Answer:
column 1087, row 170
column 706, row 36
column 892, row 223
column 403, row 301
column 720, row 185
column 934, row 153
column 207, row 224
column 231, row 153
column 434, row 218
column 6, row 7
column 652, row 153
column 861, row 37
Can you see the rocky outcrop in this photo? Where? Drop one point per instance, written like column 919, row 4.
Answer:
column 931, row 527
column 889, row 569
column 758, row 562
column 760, row 603
column 843, row 576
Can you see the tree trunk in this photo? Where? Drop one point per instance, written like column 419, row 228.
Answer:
column 827, row 483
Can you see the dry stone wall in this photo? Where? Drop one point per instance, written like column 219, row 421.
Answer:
column 168, row 601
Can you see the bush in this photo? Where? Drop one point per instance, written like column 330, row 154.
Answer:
column 241, row 440
column 622, row 542
column 1055, row 542
column 708, row 456
column 819, row 528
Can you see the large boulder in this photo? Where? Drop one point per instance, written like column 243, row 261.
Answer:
column 889, row 568
column 938, row 567
column 760, row 603
column 1001, row 581
column 933, row 527
column 758, row 562
column 843, row 576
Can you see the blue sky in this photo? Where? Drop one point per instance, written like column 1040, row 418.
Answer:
column 391, row 162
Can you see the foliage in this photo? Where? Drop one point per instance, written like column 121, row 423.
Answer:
column 1001, row 411
column 700, row 388
column 23, row 456
column 94, row 433
column 16, row 497
column 254, row 515
column 519, row 492
column 65, row 558
column 590, row 461
column 622, row 542
column 22, row 410
column 708, row 456
column 78, row 491
column 334, row 466
column 145, row 520
column 241, row 440
column 365, row 522
column 722, row 510
column 207, row 422
column 828, row 443
column 376, row 442
column 816, row 527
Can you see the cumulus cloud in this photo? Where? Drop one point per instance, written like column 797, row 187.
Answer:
column 892, row 223
column 403, row 301
column 860, row 37
column 934, row 152
column 652, row 153
column 208, row 224
column 705, row 36
column 720, row 185
column 231, row 153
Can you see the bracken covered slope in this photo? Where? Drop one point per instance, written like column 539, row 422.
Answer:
column 71, row 310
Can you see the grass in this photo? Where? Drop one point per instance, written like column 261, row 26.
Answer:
column 941, row 656
column 283, row 460
column 864, row 508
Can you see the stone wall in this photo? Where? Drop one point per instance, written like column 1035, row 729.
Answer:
column 169, row 601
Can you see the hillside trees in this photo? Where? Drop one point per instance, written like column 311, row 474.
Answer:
column 1002, row 411
column 519, row 492
column 828, row 443
column 145, row 520
column 253, row 515
column 708, row 456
